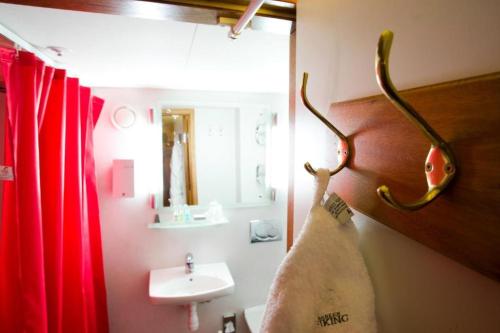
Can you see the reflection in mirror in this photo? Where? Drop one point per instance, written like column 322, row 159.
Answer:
column 179, row 177
column 216, row 154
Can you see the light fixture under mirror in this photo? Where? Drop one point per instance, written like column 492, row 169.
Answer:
column 216, row 153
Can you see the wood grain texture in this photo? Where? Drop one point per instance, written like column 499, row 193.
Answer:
column 195, row 11
column 464, row 222
column 148, row 10
column 291, row 141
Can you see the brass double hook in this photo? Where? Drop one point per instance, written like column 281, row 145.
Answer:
column 440, row 163
column 343, row 145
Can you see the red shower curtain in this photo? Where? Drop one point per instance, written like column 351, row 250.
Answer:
column 51, row 268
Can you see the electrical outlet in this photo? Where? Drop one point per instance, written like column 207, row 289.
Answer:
column 229, row 323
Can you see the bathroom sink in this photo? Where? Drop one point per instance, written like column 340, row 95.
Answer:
column 175, row 286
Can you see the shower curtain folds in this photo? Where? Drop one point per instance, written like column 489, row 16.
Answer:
column 51, row 268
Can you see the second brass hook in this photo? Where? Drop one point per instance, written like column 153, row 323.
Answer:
column 440, row 163
column 343, row 145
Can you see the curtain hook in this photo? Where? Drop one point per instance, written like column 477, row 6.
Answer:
column 18, row 48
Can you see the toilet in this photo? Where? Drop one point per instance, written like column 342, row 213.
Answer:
column 253, row 317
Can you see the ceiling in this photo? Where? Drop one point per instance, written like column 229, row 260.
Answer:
column 119, row 51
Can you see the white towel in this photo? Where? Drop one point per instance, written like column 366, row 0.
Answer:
column 323, row 284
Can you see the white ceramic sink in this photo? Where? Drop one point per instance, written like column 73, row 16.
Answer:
column 174, row 286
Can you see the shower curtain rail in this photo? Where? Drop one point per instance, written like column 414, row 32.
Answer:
column 248, row 15
column 20, row 43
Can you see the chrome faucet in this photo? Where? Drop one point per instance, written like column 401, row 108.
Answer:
column 189, row 263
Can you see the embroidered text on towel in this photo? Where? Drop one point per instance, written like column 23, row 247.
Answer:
column 333, row 318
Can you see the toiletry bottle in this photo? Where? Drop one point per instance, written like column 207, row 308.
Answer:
column 178, row 216
column 187, row 214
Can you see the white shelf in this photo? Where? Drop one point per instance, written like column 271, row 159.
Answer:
column 186, row 225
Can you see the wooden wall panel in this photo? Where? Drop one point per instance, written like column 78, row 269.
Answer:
column 195, row 11
column 464, row 222
column 291, row 140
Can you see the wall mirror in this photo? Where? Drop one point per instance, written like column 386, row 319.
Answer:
column 212, row 153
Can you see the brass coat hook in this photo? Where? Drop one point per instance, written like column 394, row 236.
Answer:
column 440, row 164
column 343, row 145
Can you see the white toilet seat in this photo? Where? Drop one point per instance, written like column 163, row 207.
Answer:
column 253, row 317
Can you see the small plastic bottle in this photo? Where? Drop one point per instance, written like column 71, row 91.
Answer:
column 178, row 216
column 187, row 214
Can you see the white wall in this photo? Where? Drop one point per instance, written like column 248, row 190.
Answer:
column 417, row 289
column 131, row 249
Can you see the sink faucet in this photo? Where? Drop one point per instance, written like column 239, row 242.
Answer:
column 189, row 263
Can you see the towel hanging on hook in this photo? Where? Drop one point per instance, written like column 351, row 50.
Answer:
column 343, row 145
column 440, row 164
